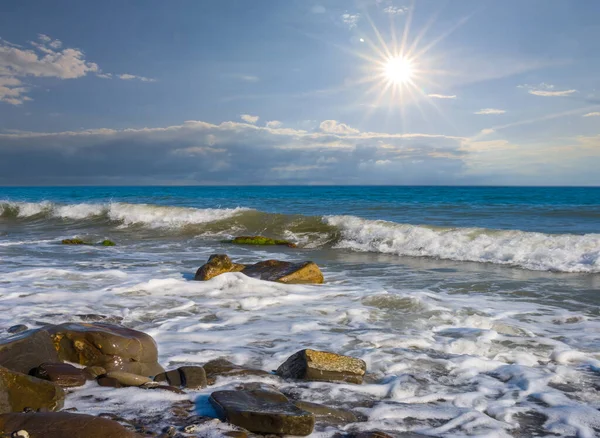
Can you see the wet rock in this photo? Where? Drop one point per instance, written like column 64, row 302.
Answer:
column 217, row 264
column 158, row 386
column 368, row 434
column 63, row 374
column 94, row 317
column 107, row 242
column 185, row 377
column 128, row 379
column 285, row 272
column 327, row 414
column 223, row 368
column 93, row 372
column 113, row 347
column 322, row 365
column 62, row 425
column 261, row 240
column 262, row 412
column 19, row 392
column 74, row 242
column 17, row 329
column 109, row 382
column 27, row 350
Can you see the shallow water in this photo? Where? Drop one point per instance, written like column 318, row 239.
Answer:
column 467, row 330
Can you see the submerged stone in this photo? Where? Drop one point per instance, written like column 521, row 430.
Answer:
column 62, row 425
column 262, row 411
column 27, row 350
column 217, row 264
column 19, row 392
column 113, row 347
column 107, row 242
column 223, row 368
column 185, row 377
column 17, row 329
column 327, row 414
column 63, row 374
column 261, row 240
column 322, row 365
column 74, row 242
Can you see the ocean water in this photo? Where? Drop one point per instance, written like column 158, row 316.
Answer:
column 477, row 310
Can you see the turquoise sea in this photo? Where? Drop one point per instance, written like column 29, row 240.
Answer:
column 477, row 309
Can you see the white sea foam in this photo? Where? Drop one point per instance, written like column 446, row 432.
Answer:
column 536, row 251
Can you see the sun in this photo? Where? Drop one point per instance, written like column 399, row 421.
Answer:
column 398, row 70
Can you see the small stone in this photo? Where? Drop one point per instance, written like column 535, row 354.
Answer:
column 327, row 414
column 186, row 377
column 156, row 385
column 74, row 241
column 128, row 379
column 63, row 374
column 17, row 329
column 223, row 368
column 107, row 242
column 110, row 382
column 262, row 412
column 93, row 372
column 285, row 272
column 324, row 366
column 217, row 264
column 261, row 241
column 20, row 434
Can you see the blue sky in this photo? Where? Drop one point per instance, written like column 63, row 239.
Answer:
column 297, row 92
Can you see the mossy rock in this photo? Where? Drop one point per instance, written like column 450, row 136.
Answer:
column 107, row 242
column 75, row 242
column 261, row 240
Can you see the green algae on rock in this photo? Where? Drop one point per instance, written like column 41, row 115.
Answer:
column 260, row 240
column 75, row 241
column 107, row 242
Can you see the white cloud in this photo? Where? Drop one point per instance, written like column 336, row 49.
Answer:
column 396, row 10
column 546, row 90
column 442, row 96
column 318, row 9
column 128, row 77
column 351, row 20
column 488, row 111
column 249, row 118
column 335, row 127
column 274, row 124
column 594, row 114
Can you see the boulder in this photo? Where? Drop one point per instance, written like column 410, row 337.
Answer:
column 223, row 368
column 217, row 264
column 285, row 272
column 322, row 365
column 261, row 240
column 27, row 350
column 19, row 391
column 113, row 347
column 63, row 374
column 262, row 411
column 184, row 377
column 327, row 414
column 270, row 270
column 62, row 425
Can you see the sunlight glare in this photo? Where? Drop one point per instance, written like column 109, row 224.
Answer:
column 398, row 70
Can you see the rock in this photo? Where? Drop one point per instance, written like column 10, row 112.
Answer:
column 327, row 414
column 285, row 272
column 260, row 240
column 27, row 350
column 217, row 264
column 62, row 425
column 74, row 242
column 110, row 382
column 156, row 385
column 107, row 242
column 113, row 347
column 224, row 368
column 17, row 329
column 19, row 391
column 322, row 365
column 63, row 374
column 271, row 270
column 128, row 379
column 262, row 412
column 92, row 373
column 185, row 377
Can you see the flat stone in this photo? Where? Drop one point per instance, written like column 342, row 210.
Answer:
column 223, row 368
column 27, row 350
column 262, row 412
column 19, row 391
column 128, row 379
column 324, row 366
column 186, row 377
column 62, row 425
column 113, row 347
column 217, row 264
column 17, row 329
column 327, row 414
column 63, row 374
column 285, row 272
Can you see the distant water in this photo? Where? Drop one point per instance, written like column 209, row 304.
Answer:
column 476, row 309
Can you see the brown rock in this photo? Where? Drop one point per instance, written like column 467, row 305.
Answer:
column 285, row 272
column 17, row 329
column 128, row 379
column 110, row 346
column 322, row 365
column 224, row 368
column 262, row 412
column 327, row 414
column 217, row 264
column 27, row 350
column 63, row 374
column 110, row 382
column 185, row 377
column 62, row 425
column 19, row 391
column 93, row 372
